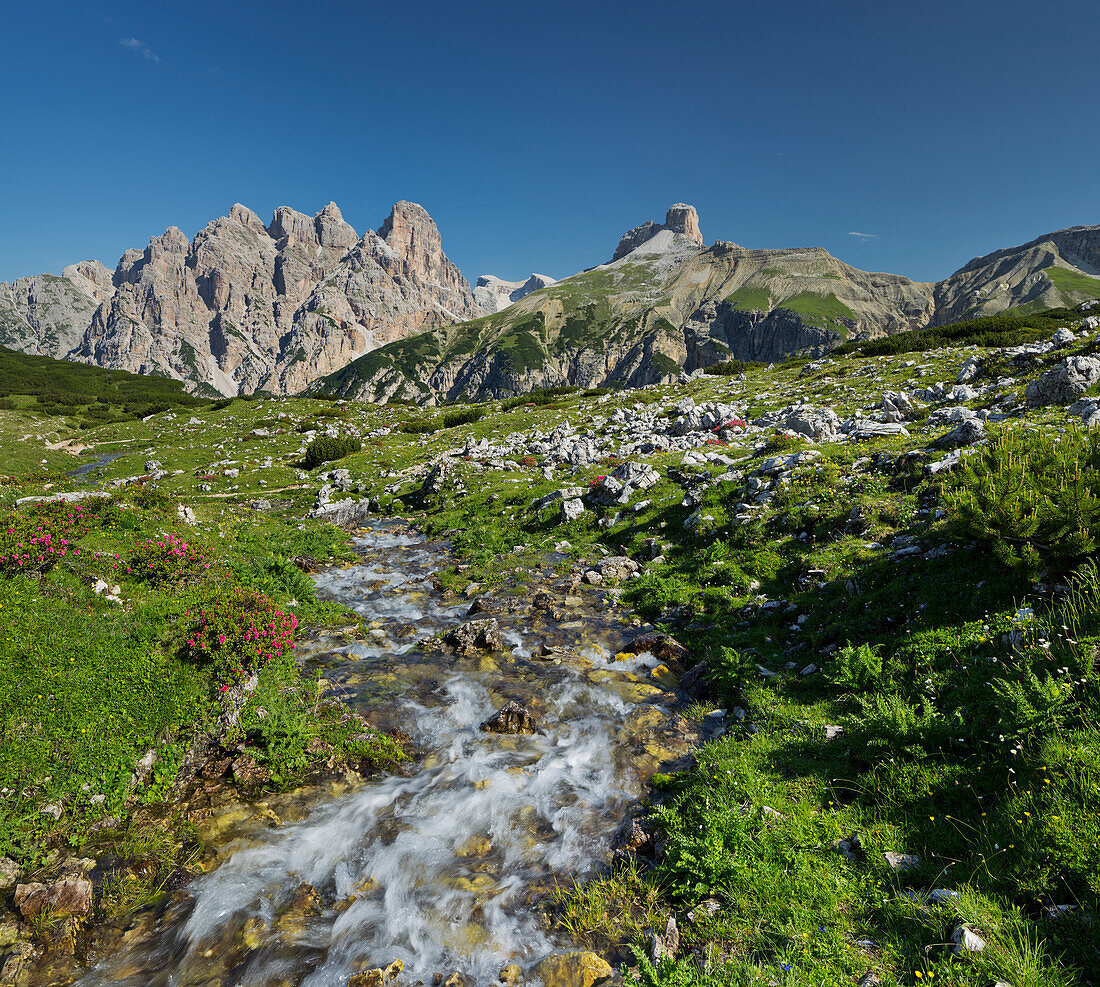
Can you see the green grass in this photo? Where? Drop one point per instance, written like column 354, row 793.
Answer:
column 750, row 300
column 1073, row 281
column 965, row 739
column 87, row 684
column 818, row 308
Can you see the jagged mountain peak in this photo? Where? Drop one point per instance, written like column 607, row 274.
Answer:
column 680, row 219
column 245, row 306
column 246, row 217
column 405, row 213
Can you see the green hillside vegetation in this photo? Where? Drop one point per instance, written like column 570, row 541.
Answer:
column 821, row 309
column 1073, row 282
column 88, row 685
column 90, row 395
column 1009, row 328
column 750, row 299
column 906, row 657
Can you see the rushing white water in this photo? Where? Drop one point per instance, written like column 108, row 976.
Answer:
column 437, row 869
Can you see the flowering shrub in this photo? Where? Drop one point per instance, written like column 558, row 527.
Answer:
column 239, row 633
column 169, row 559
column 37, row 539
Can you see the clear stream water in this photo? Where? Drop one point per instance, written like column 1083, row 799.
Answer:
column 439, row 869
column 84, row 470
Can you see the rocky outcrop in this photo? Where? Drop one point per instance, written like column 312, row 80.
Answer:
column 1064, row 382
column 681, row 219
column 245, row 306
column 632, row 239
column 494, row 294
column 47, row 315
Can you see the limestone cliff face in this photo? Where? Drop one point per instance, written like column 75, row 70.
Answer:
column 680, row 219
column 245, row 306
column 306, row 302
column 46, row 315
column 389, row 285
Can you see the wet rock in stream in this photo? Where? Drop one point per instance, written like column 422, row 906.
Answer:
column 476, row 635
column 577, row 969
column 511, row 718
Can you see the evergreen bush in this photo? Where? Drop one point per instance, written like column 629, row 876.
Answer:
column 326, row 449
column 1034, row 499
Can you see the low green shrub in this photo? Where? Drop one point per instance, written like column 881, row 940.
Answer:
column 418, row 426
column 731, row 368
column 1006, row 329
column 462, row 416
column 1033, row 497
column 327, row 449
column 539, row 396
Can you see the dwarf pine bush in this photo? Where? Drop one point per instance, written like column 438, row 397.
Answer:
column 327, row 449
column 1035, row 499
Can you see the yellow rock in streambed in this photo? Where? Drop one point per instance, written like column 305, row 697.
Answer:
column 665, row 676
column 579, row 969
column 475, row 846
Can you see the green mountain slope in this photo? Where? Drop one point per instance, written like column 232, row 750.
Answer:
column 669, row 305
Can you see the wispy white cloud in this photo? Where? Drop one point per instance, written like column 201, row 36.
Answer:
column 140, row 47
column 863, row 236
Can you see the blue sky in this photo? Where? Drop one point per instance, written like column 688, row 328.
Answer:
column 536, row 134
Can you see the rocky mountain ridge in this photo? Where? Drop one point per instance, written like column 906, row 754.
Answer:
column 306, row 302
column 666, row 304
column 245, row 306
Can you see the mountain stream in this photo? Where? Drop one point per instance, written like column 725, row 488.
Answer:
column 447, row 866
